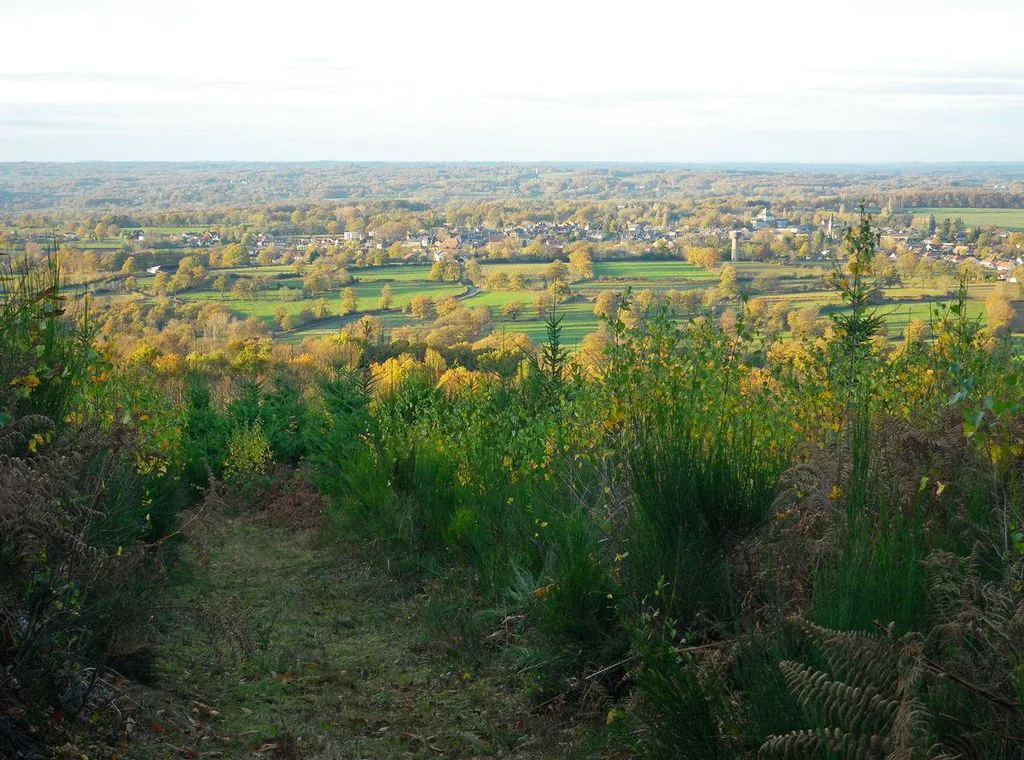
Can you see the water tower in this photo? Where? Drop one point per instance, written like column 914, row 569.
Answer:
column 734, row 237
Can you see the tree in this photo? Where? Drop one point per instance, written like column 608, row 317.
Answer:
column 916, row 331
column 802, row 321
column 322, row 310
column 559, row 292
column 512, row 310
column 607, row 304
column 233, row 255
column 161, row 283
column 368, row 329
column 999, row 313
column 474, row 272
column 702, row 256
column 349, row 301
column 556, row 271
column 757, row 312
column 542, row 303
column 446, row 306
column 779, row 318
column 727, row 281
column 516, row 281
column 221, row 283
column 906, row 265
column 316, row 281
column 267, row 255
column 581, row 264
column 130, row 266
column 647, row 301
column 1018, row 276
column 386, row 298
column 884, row 269
column 421, row 307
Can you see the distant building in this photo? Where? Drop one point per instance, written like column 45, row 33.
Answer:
column 765, row 219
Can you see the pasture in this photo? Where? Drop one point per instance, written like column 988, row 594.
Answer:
column 1001, row 218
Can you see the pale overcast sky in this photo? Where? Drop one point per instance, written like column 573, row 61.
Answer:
column 651, row 80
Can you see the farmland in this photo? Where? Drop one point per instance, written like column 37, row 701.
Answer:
column 1001, row 218
column 795, row 286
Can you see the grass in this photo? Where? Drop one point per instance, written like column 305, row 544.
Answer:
column 593, row 287
column 652, row 270
column 901, row 306
column 577, row 321
column 367, row 293
column 255, row 271
column 273, row 634
column 177, row 230
column 393, row 273
column 498, row 298
column 1004, row 218
column 530, row 269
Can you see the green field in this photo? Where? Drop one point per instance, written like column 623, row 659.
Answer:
column 393, row 273
column 498, row 298
column 1003, row 218
column 255, row 271
column 368, row 293
column 797, row 285
column 530, row 269
column 177, row 230
column 577, row 321
column 652, row 270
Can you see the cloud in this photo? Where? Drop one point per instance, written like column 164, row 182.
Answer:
column 154, row 81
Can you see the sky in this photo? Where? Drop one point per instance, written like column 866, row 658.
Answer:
column 530, row 80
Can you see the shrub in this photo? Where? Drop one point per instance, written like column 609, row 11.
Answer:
column 249, row 457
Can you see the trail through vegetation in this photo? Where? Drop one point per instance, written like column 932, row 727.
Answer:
column 276, row 645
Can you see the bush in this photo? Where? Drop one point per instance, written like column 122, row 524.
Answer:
column 84, row 481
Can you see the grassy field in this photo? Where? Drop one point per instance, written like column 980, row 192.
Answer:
column 530, row 269
column 277, row 269
column 498, row 298
column 796, row 285
column 1003, row 218
column 652, row 270
column 901, row 306
column 392, row 273
column 577, row 321
column 368, row 293
column 176, row 230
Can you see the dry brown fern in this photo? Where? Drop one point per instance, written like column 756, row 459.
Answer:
column 776, row 566
column 57, row 580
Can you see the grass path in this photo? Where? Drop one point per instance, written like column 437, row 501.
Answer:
column 274, row 645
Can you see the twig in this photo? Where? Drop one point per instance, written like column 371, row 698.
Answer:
column 605, row 669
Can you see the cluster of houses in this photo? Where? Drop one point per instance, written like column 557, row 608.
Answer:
column 426, row 245
column 199, row 239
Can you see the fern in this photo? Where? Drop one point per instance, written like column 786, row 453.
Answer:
column 869, row 694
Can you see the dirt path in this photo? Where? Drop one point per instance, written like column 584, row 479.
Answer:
column 276, row 646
